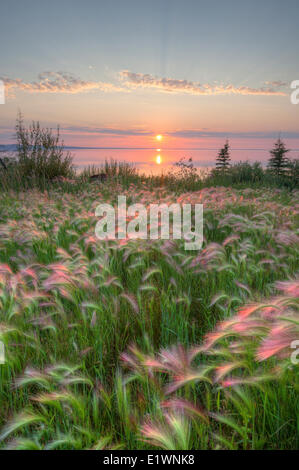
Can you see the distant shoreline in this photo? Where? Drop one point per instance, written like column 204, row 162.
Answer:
column 12, row 147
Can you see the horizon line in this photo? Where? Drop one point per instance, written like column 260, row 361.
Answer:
column 74, row 147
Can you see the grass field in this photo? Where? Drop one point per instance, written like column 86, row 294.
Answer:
column 141, row 344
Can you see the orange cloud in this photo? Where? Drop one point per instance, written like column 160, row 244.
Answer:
column 170, row 85
column 63, row 82
column 57, row 82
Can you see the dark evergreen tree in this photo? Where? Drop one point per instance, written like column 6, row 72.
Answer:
column 278, row 162
column 223, row 157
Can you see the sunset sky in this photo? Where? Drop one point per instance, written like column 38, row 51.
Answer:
column 116, row 73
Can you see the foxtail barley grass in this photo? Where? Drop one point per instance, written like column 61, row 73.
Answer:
column 140, row 344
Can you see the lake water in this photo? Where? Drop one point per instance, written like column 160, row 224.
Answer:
column 154, row 161
column 146, row 159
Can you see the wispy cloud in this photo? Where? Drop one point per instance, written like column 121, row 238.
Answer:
column 180, row 133
column 277, row 84
column 57, row 82
column 64, row 82
column 200, row 134
column 170, row 85
column 106, row 131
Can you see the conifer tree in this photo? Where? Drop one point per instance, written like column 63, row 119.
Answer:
column 278, row 162
column 223, row 157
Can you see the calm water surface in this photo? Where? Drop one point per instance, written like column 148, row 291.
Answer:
column 152, row 161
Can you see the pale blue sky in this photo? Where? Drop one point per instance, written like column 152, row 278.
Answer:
column 198, row 40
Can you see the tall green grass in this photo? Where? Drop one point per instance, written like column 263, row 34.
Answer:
column 102, row 338
column 180, row 179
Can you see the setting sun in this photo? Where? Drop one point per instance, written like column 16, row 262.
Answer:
column 159, row 137
column 158, row 159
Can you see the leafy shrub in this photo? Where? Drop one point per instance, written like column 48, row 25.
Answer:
column 41, row 153
column 253, row 174
column 241, row 172
column 7, row 161
column 186, row 168
column 183, row 176
column 293, row 170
